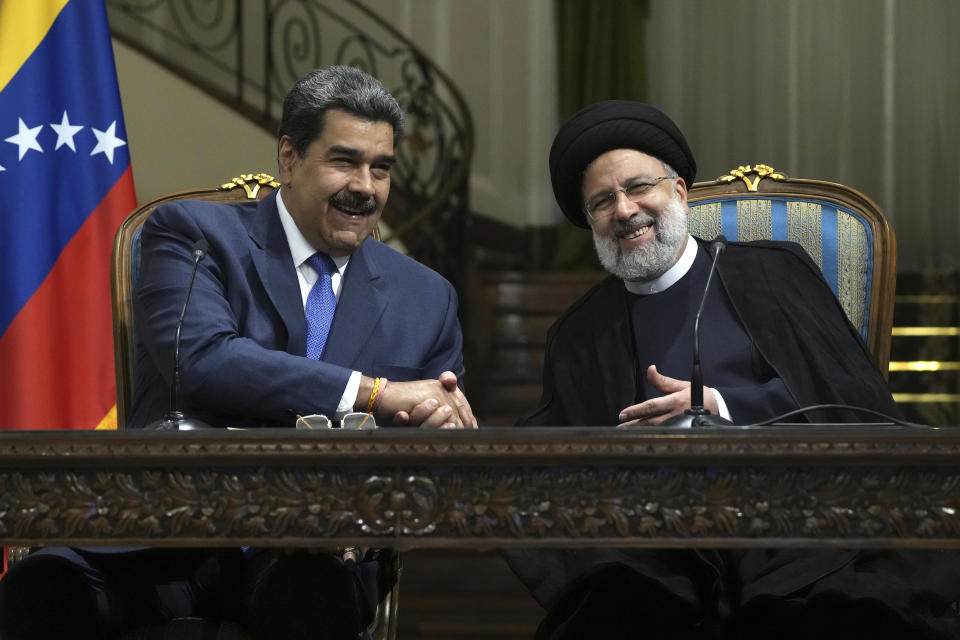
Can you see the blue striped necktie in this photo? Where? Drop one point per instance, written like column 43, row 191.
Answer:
column 321, row 303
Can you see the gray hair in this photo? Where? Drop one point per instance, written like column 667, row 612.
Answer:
column 670, row 172
column 336, row 87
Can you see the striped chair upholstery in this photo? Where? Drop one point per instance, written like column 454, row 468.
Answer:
column 842, row 230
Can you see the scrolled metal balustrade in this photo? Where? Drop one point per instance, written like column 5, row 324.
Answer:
column 247, row 54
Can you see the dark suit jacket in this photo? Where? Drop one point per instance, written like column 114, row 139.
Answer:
column 244, row 336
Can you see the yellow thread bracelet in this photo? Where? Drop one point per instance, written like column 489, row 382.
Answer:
column 373, row 394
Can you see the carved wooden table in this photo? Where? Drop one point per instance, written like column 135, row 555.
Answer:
column 807, row 486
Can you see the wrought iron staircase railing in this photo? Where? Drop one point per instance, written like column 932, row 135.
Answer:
column 247, row 54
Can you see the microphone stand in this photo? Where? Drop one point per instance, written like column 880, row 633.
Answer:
column 176, row 420
column 698, row 415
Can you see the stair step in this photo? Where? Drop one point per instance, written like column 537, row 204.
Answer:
column 925, row 350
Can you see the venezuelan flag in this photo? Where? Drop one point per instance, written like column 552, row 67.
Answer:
column 65, row 186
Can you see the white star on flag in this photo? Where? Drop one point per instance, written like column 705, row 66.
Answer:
column 65, row 132
column 26, row 138
column 107, row 141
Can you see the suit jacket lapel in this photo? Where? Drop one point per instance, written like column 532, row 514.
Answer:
column 274, row 264
column 359, row 308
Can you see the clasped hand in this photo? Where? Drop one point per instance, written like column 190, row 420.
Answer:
column 676, row 400
column 428, row 403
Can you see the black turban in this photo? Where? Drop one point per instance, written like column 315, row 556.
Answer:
column 608, row 125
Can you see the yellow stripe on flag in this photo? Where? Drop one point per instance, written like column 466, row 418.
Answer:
column 109, row 421
column 23, row 25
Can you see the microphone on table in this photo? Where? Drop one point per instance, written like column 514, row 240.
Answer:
column 697, row 415
column 176, row 420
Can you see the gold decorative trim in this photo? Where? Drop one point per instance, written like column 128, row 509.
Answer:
column 752, row 175
column 852, row 252
column 705, row 220
column 926, row 397
column 915, row 332
column 924, row 365
column 754, row 220
column 251, row 183
column 805, row 227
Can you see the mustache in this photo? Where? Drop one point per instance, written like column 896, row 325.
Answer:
column 633, row 223
column 351, row 202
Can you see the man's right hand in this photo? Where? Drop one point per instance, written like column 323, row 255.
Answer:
column 424, row 403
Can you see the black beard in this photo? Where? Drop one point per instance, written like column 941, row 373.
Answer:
column 353, row 203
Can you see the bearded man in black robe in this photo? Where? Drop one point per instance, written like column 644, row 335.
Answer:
column 775, row 339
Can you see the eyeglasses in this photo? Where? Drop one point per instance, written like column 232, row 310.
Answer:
column 357, row 420
column 604, row 204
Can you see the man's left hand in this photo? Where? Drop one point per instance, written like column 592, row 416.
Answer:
column 429, row 415
column 676, row 400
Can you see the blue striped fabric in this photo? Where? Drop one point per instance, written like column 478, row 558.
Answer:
column 838, row 239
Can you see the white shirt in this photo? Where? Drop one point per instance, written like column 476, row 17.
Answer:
column 669, row 278
column 301, row 251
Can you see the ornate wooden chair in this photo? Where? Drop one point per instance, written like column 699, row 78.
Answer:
column 842, row 230
column 125, row 264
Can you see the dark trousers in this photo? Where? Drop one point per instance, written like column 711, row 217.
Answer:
column 877, row 595
column 80, row 593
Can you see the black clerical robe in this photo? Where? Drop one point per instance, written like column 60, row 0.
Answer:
column 781, row 300
column 797, row 324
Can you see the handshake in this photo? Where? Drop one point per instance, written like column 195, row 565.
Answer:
column 429, row 404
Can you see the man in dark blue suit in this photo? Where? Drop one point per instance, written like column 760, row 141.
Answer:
column 295, row 310
column 245, row 338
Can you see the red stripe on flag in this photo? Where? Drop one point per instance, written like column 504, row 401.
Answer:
column 58, row 351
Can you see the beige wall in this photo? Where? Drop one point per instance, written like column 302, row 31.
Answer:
column 500, row 53
column 179, row 137
column 860, row 92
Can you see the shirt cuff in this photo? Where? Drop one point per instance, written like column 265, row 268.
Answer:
column 349, row 396
column 721, row 405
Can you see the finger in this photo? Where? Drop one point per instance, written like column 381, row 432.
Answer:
column 656, row 420
column 422, row 411
column 640, row 411
column 449, row 380
column 640, row 422
column 464, row 410
column 669, row 406
column 401, row 418
column 439, row 417
column 632, row 412
column 649, row 409
column 664, row 383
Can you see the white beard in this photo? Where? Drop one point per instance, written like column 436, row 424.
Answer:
column 651, row 259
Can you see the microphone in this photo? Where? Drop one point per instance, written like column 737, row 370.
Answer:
column 176, row 420
column 697, row 415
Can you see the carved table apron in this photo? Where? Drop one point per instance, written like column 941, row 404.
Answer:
column 802, row 486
